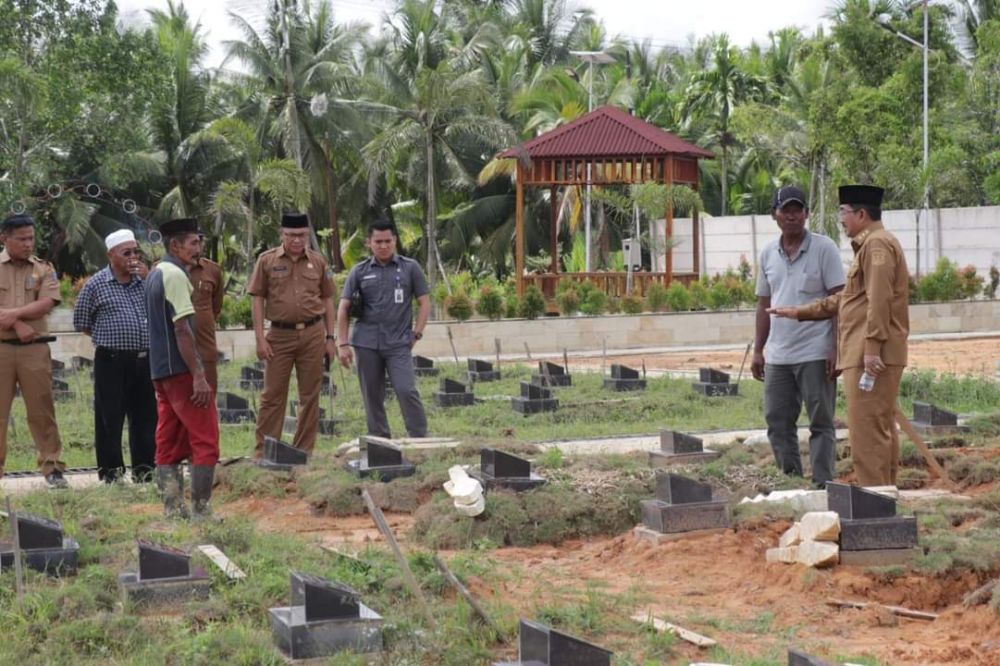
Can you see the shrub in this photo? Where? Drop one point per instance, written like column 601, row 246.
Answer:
column 568, row 300
column 943, row 284
column 699, row 295
column 970, row 284
column 719, row 296
column 512, row 306
column 678, row 297
column 990, row 290
column 632, row 304
column 656, row 297
column 458, row 306
column 594, row 303
column 490, row 303
column 533, row 304
column 613, row 306
column 236, row 312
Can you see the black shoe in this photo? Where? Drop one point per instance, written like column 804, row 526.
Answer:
column 55, row 479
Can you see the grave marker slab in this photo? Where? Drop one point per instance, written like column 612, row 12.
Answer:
column 677, row 489
column 534, row 399
column 80, row 362
column 624, row 378
column 382, row 458
column 453, row 393
column 539, row 645
column 424, row 367
column 714, row 383
column 44, row 547
column 683, row 505
column 61, row 391
column 482, row 371
column 878, row 533
column 58, row 368
column 551, row 374
column 324, row 618
column 233, row 408
column 853, row 502
column 252, row 377
column 499, row 468
column 800, row 658
column 932, row 421
column 680, row 448
column 281, row 457
column 164, row 576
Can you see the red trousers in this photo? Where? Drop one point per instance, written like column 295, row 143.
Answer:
column 183, row 430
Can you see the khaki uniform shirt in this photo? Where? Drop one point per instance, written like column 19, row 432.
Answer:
column 294, row 290
column 873, row 315
column 209, row 288
column 22, row 283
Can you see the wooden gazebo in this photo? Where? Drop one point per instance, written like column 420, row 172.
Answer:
column 620, row 149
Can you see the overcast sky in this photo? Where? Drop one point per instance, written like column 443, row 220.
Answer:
column 664, row 22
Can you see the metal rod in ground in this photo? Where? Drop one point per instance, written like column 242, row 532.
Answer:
column 16, row 539
column 544, row 367
column 745, row 354
column 451, row 341
column 496, row 344
column 408, row 578
column 604, row 356
column 464, row 591
column 526, row 350
column 643, row 367
column 566, row 360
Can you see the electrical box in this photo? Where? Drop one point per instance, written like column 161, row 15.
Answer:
column 632, row 254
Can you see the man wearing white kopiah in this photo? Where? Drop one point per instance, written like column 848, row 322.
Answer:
column 111, row 309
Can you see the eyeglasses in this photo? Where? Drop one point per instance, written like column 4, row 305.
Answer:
column 844, row 211
column 131, row 252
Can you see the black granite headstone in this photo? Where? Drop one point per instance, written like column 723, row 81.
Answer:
column 500, row 465
column 672, row 441
column 853, row 502
column 538, row 644
column 453, row 393
column 623, row 372
column 58, row 367
column 424, row 367
column 452, row 386
column 535, row 392
column 80, row 362
column 878, row 533
column 59, row 385
column 551, row 374
column 157, row 561
column 381, row 454
column 280, row 453
column 712, row 376
column 225, row 400
column 677, row 489
column 552, row 369
column 478, row 365
column 252, row 377
column 799, row 658
column 37, row 532
column 927, row 414
column 324, row 599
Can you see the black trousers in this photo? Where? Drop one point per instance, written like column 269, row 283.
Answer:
column 122, row 387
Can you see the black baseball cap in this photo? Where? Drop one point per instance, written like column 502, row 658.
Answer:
column 788, row 194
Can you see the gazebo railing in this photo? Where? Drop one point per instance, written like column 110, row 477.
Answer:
column 614, row 284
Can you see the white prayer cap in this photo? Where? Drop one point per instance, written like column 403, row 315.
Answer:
column 117, row 238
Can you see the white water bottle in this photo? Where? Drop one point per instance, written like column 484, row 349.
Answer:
column 867, row 381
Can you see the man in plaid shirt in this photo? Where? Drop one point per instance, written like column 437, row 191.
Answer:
column 111, row 309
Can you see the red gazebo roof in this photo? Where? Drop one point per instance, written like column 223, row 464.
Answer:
column 606, row 132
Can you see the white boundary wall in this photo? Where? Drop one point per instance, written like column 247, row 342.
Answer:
column 963, row 235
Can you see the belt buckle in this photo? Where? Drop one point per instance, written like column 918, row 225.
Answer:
column 299, row 326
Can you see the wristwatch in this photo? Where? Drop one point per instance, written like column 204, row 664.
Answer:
column 417, row 336
column 331, row 337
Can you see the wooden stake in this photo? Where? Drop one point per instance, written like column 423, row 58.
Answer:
column 681, row 632
column 895, row 610
column 408, row 577
column 464, row 591
column 604, row 355
column 981, row 594
column 526, row 350
column 16, row 538
column 566, row 360
column 451, row 341
column 496, row 344
column 932, row 462
column 743, row 364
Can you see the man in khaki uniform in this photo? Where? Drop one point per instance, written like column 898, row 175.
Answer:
column 209, row 289
column 28, row 292
column 293, row 289
column 873, row 324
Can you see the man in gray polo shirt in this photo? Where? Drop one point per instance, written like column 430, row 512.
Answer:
column 797, row 268
column 385, row 332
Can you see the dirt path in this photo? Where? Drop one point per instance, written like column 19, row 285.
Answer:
column 750, row 606
column 977, row 356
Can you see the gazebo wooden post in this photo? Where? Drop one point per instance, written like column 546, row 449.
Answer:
column 696, row 241
column 554, row 229
column 519, row 229
column 668, row 263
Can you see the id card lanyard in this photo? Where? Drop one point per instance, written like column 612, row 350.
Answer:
column 398, row 293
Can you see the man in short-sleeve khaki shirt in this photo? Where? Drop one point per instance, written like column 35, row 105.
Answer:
column 208, row 291
column 28, row 292
column 293, row 289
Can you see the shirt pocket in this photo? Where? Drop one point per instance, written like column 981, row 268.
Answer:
column 811, row 283
column 6, row 296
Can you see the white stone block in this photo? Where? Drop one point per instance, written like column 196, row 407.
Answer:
column 888, row 491
column 818, row 553
column 819, row 526
column 791, row 537
column 788, row 555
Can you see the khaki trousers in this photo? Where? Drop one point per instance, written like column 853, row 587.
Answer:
column 30, row 367
column 871, row 421
column 302, row 350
